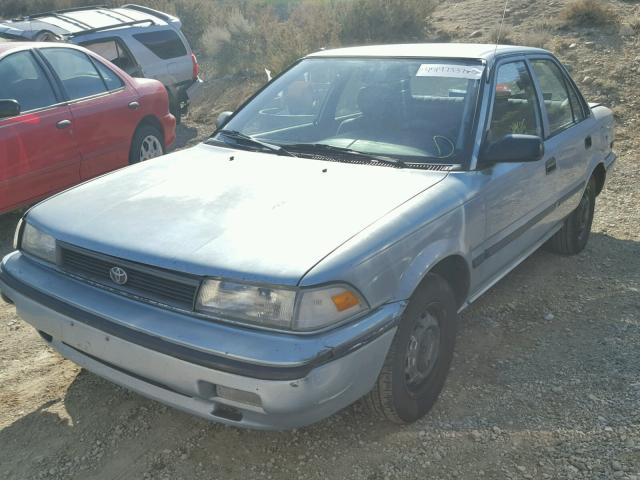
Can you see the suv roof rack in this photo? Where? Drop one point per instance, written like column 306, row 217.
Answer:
column 109, row 27
column 148, row 11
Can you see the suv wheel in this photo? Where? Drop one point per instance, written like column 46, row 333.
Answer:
column 574, row 234
column 147, row 144
column 418, row 361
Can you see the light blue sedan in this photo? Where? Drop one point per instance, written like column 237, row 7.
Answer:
column 318, row 248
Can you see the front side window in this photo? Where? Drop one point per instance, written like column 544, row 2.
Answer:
column 556, row 97
column 515, row 105
column 76, row 71
column 165, row 44
column 23, row 80
column 414, row 110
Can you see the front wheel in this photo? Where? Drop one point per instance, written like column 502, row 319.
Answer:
column 147, row 144
column 418, row 361
column 574, row 234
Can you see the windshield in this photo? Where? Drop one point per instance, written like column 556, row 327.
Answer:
column 416, row 111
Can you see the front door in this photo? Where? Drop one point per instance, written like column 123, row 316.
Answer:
column 517, row 195
column 38, row 151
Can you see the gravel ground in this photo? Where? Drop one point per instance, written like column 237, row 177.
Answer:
column 545, row 382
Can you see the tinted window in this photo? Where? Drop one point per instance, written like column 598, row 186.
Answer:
column 554, row 91
column 164, row 43
column 115, row 53
column 515, row 108
column 23, row 80
column 112, row 80
column 76, row 72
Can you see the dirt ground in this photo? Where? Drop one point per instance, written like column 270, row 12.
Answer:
column 545, row 382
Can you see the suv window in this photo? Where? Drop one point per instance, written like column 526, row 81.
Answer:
column 76, row 72
column 556, row 96
column 515, row 107
column 165, row 44
column 23, row 80
column 113, row 51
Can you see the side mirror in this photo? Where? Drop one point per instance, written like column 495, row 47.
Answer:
column 9, row 108
column 513, row 148
column 222, row 119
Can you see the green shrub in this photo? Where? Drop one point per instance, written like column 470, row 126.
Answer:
column 589, row 13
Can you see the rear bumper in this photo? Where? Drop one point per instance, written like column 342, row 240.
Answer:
column 285, row 394
column 168, row 123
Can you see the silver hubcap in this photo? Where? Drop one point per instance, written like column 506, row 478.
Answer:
column 150, row 148
column 423, row 350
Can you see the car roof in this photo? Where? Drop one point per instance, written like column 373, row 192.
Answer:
column 82, row 20
column 15, row 46
column 477, row 51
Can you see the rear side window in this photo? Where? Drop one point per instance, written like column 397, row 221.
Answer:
column 79, row 77
column 112, row 80
column 23, row 80
column 163, row 43
column 113, row 51
column 556, row 96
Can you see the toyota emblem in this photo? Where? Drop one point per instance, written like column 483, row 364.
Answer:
column 118, row 275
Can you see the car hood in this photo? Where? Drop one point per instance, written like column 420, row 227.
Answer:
column 214, row 211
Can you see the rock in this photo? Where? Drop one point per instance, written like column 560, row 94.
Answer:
column 587, row 80
column 573, row 45
column 589, row 44
column 476, row 435
column 617, row 466
column 476, row 34
column 556, row 389
column 496, row 430
column 549, row 316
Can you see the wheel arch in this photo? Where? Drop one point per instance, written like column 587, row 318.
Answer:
column 151, row 121
column 454, row 269
column 600, row 175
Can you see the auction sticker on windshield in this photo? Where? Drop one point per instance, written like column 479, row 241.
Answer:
column 449, row 70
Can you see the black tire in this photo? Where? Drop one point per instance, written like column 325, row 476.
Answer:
column 174, row 108
column 143, row 134
column 574, row 234
column 405, row 391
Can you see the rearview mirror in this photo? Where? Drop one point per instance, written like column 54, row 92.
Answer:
column 9, row 108
column 222, row 119
column 513, row 148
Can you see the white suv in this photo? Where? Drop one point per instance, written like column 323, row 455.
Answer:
column 142, row 41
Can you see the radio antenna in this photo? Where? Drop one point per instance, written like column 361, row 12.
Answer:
column 504, row 14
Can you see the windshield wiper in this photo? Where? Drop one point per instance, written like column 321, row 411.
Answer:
column 247, row 139
column 324, row 148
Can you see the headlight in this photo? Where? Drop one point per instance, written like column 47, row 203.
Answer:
column 289, row 309
column 38, row 244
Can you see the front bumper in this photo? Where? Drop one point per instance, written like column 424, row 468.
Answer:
column 298, row 379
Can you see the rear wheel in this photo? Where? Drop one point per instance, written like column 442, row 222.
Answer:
column 574, row 234
column 418, row 361
column 147, row 144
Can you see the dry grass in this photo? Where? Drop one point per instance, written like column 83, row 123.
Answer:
column 589, row 13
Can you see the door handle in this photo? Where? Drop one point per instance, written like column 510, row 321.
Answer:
column 550, row 165
column 588, row 142
column 134, row 105
column 62, row 124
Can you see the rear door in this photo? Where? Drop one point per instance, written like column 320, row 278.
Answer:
column 105, row 109
column 38, row 151
column 567, row 132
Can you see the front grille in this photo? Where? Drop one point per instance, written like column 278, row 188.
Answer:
column 143, row 281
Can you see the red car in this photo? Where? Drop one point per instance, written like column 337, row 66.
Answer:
column 67, row 115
